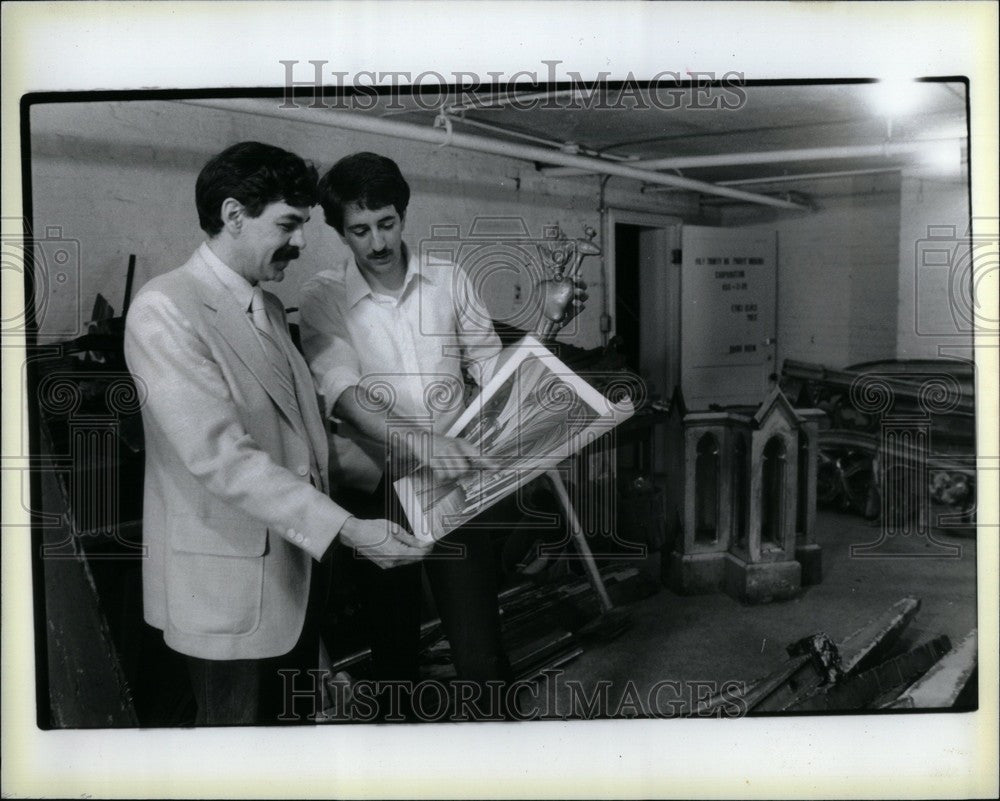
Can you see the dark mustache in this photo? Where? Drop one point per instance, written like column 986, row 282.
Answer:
column 286, row 253
column 381, row 254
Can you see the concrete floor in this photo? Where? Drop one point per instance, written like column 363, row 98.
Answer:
column 713, row 638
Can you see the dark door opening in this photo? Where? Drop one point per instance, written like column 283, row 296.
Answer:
column 628, row 324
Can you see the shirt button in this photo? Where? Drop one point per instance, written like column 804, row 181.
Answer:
column 305, row 540
column 303, row 470
column 292, row 533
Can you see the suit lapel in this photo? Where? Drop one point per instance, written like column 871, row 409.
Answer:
column 234, row 325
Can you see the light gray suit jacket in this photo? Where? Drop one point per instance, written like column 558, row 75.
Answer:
column 235, row 504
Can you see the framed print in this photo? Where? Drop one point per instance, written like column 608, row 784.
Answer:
column 531, row 416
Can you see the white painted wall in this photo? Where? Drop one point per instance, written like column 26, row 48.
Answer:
column 838, row 282
column 118, row 177
column 934, row 276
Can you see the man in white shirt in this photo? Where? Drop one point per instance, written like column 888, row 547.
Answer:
column 388, row 336
column 236, row 514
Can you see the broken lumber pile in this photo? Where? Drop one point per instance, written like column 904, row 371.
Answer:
column 543, row 625
column 547, row 625
column 870, row 669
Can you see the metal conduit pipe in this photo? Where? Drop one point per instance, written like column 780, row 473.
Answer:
column 486, row 126
column 503, row 100
column 436, row 136
column 563, row 147
column 886, row 150
column 813, row 176
column 494, row 103
column 602, row 212
column 802, row 176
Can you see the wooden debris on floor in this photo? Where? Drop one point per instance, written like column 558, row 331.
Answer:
column 875, row 667
column 543, row 625
column 950, row 683
column 547, row 625
column 864, row 690
column 868, row 645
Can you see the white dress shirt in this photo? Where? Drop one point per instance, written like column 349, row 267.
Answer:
column 405, row 354
column 238, row 286
column 231, row 280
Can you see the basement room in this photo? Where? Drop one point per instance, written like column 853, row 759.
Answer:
column 686, row 368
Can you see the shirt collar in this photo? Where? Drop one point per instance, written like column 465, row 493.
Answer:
column 236, row 284
column 357, row 287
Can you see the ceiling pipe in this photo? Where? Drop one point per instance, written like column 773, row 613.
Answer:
column 802, row 176
column 494, row 103
column 488, row 126
column 501, row 101
column 811, row 176
column 436, row 136
column 887, row 150
column 563, row 147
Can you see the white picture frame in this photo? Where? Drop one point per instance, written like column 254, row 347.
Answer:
column 532, row 415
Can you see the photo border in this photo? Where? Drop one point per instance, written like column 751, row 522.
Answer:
column 945, row 754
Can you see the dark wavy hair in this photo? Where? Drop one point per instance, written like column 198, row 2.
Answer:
column 256, row 175
column 367, row 179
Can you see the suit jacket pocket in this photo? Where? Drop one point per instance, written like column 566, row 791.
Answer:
column 214, row 594
column 218, row 535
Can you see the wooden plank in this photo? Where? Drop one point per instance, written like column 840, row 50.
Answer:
column 870, row 644
column 803, row 675
column 862, row 690
column 942, row 685
column 796, row 674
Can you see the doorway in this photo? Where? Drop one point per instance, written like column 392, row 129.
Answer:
column 644, row 301
column 645, row 293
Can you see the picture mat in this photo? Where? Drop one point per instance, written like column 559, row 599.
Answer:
column 449, row 511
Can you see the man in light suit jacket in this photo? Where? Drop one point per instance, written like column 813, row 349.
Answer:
column 236, row 512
